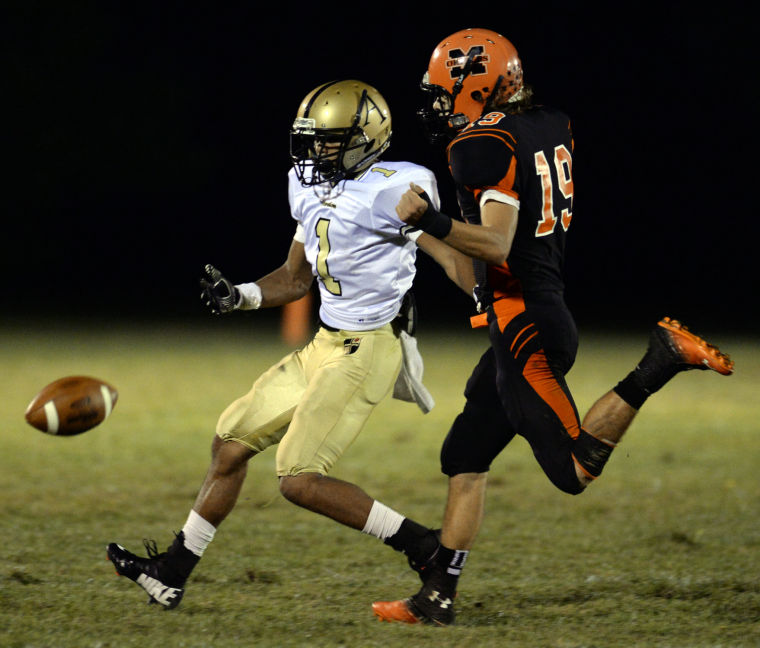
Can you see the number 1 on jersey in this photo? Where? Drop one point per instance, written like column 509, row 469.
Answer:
column 332, row 284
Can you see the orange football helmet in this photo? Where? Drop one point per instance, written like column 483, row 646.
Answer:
column 465, row 71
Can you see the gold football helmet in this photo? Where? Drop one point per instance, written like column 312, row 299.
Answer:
column 340, row 129
column 467, row 72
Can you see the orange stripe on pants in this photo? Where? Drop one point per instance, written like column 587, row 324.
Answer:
column 507, row 309
column 540, row 377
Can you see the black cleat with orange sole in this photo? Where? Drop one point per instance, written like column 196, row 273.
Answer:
column 433, row 604
column 427, row 607
column 690, row 351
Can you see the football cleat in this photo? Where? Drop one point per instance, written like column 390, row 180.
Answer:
column 427, row 606
column 433, row 604
column 394, row 611
column 691, row 351
column 157, row 574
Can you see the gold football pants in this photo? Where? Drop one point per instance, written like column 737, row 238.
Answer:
column 315, row 401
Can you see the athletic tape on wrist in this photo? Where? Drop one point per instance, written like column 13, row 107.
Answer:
column 250, row 296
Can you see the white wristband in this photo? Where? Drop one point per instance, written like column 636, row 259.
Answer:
column 250, row 296
column 411, row 232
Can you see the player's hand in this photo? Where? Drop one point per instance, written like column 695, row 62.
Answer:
column 217, row 292
column 413, row 204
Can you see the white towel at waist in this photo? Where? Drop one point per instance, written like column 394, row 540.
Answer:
column 409, row 385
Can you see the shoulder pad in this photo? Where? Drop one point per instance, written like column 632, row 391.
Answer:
column 480, row 158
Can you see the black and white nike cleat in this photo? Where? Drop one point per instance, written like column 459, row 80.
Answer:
column 161, row 575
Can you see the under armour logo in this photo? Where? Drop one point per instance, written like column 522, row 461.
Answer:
column 457, row 59
column 443, row 603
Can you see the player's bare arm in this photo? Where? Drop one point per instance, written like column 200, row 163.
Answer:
column 290, row 281
column 457, row 266
column 490, row 242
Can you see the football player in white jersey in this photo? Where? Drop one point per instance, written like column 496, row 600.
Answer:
column 315, row 401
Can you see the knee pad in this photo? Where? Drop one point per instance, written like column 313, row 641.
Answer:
column 477, row 435
column 568, row 482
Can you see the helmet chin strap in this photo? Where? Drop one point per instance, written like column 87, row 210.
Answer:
column 466, row 69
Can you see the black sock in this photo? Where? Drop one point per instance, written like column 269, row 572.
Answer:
column 449, row 564
column 181, row 560
column 659, row 364
column 413, row 539
column 649, row 376
column 632, row 391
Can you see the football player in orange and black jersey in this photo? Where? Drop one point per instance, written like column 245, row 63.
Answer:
column 509, row 157
column 511, row 162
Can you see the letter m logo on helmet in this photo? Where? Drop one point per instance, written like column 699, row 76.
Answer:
column 457, row 59
column 465, row 69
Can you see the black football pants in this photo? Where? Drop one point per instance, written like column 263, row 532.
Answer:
column 518, row 387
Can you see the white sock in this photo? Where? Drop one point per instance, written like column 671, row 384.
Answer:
column 198, row 533
column 382, row 521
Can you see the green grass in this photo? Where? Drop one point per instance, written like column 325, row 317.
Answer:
column 662, row 551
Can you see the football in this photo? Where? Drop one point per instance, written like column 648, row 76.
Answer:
column 71, row 405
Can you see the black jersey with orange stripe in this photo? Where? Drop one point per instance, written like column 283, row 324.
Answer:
column 526, row 157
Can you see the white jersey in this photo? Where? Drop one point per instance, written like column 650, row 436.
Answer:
column 353, row 241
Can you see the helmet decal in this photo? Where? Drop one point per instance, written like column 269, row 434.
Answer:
column 368, row 106
column 458, row 59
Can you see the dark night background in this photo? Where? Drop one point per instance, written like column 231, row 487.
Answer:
column 144, row 140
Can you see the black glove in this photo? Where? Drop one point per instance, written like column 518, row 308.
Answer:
column 217, row 292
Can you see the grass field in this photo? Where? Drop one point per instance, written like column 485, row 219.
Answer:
column 663, row 551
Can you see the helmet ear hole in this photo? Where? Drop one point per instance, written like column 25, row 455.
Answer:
column 477, row 95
